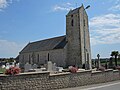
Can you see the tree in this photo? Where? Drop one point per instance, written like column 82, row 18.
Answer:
column 119, row 56
column 115, row 54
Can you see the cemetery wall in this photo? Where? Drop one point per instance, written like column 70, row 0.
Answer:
column 47, row 81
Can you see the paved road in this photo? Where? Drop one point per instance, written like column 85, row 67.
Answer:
column 115, row 85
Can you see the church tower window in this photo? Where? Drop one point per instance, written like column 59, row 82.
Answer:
column 84, row 22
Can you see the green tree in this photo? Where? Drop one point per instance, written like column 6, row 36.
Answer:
column 115, row 54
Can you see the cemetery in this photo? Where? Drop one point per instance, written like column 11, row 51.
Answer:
column 52, row 77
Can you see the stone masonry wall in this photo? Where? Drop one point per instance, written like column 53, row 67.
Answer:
column 78, row 41
column 46, row 81
column 56, row 56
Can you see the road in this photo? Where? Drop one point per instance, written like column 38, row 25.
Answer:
column 115, row 85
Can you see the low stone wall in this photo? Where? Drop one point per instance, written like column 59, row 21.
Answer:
column 47, row 81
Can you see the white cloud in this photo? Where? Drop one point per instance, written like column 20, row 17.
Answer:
column 117, row 1
column 9, row 49
column 115, row 8
column 5, row 3
column 63, row 7
column 105, row 29
column 116, row 5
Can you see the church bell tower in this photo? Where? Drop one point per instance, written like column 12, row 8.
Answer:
column 78, row 51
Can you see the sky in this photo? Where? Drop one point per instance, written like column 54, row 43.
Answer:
column 24, row 21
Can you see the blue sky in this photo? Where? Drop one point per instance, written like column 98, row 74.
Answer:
column 24, row 21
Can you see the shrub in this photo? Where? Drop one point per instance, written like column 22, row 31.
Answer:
column 12, row 71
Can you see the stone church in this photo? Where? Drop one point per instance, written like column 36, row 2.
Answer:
column 72, row 49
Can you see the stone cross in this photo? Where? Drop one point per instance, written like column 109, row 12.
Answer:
column 34, row 66
column 98, row 55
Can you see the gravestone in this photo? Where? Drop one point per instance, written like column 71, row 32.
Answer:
column 54, row 67
column 49, row 66
column 111, row 63
column 59, row 69
column 27, row 67
column 34, row 66
column 7, row 66
column 17, row 65
column 3, row 66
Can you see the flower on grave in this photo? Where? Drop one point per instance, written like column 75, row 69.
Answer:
column 73, row 69
column 101, row 68
column 118, row 67
column 12, row 71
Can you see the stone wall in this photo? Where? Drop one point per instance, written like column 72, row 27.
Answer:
column 46, row 81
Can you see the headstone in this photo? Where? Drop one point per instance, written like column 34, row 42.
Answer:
column 27, row 67
column 43, row 69
column 3, row 66
column 59, row 69
column 54, row 67
column 7, row 66
column 70, row 67
column 34, row 66
column 49, row 66
column 17, row 65
column 111, row 63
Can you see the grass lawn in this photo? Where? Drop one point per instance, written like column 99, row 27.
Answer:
column 103, row 62
column 2, row 70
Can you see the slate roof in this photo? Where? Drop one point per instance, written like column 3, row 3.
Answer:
column 44, row 45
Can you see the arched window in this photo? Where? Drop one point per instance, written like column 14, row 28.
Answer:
column 29, row 59
column 37, row 58
column 48, row 57
column 23, row 59
column 72, row 23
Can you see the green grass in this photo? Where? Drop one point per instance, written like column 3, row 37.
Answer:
column 118, row 63
column 2, row 70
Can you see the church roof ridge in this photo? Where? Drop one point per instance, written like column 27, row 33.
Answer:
column 46, row 44
column 48, row 39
